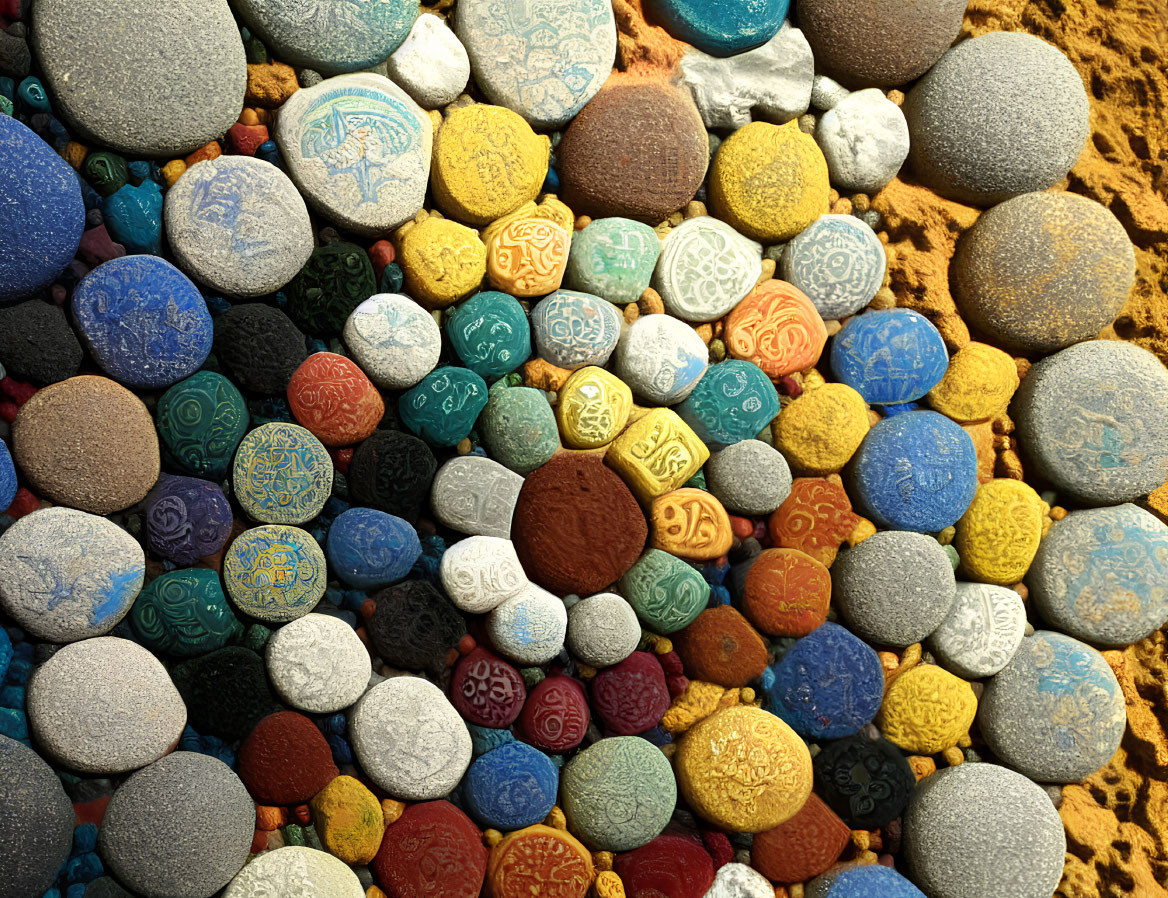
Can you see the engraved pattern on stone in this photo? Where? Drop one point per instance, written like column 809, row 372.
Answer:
column 475, row 495
column 705, row 269
column 480, row 572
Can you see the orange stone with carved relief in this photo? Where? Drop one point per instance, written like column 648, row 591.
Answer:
column 786, row 593
column 539, row 861
column 690, row 524
column 777, row 327
column 817, row 518
column 527, row 256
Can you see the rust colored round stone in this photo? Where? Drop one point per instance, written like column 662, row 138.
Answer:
column 676, row 866
column 332, row 397
column 786, row 593
column 486, row 690
column 632, row 696
column 721, row 647
column 802, row 847
column 433, row 850
column 637, row 150
column 555, row 716
column 817, row 518
column 576, row 526
column 777, row 327
column 539, row 861
column 285, row 760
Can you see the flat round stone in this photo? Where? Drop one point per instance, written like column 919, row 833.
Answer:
column 866, row 781
column 838, row 262
column 415, row 626
column 572, row 330
column 723, row 30
column 490, row 333
column 201, row 421
column 593, row 408
column 674, row 865
column 432, row 847
column 392, row 471
column 740, row 881
column 336, row 279
column 37, row 831
column 632, row 696
column 409, row 739
column 786, row 592
column 443, row 408
column 275, row 573
column 486, row 690
column 556, row 715
column 431, row 64
column 285, row 760
column 163, row 855
column 1000, row 532
column 226, row 692
column 864, row 139
column 295, row 870
column 978, row 384
column 186, row 519
column 749, row 477
column 1094, row 420
column 552, row 858
column 527, row 254
column 721, row 647
column 705, row 269
column 661, row 359
column 802, row 847
column 777, row 328
column 982, row 631
column 927, row 710
column 331, row 396
column 37, row 344
column 180, row 87
column 733, row 402
column 282, row 474
column 317, row 664
column 863, row 882
column 511, row 787
column 185, row 613
column 820, row 431
column 666, row 593
column 369, row 549
column 67, row 575
column 394, row 340
column 359, row 150
column 475, row 495
column 602, row 630
column 529, row 627
column 481, row 572
column 984, row 826
column 889, row 356
column 519, row 427
column 104, row 705
column 1055, row 712
column 613, row 258
column 259, row 346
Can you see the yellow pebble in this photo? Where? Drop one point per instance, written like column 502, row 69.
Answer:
column 391, row 810
column 945, row 537
column 953, row 756
column 173, row 170
column 662, row 645
column 593, row 409
column 602, row 860
column 746, row 694
column 487, row 163
column 927, row 710
column 608, row 885
column 978, row 384
column 822, row 429
column 657, row 453
column 492, row 837
column 374, row 892
column 555, row 818
column 862, row 839
column 697, row 702
column 769, row 181
column 691, row 524
column 349, row 820
column 442, row 261
column 999, row 533
column 743, row 769
column 75, row 153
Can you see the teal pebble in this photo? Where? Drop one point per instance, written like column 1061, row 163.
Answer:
column 201, row 421
column 490, row 334
column 613, row 258
column 443, row 408
column 731, row 403
column 519, row 428
column 666, row 593
column 184, row 613
column 133, row 216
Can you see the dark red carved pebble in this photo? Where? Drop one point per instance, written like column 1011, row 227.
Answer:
column 719, row 847
column 433, row 850
column 486, row 690
column 631, row 697
column 676, row 866
column 285, row 760
column 555, row 717
column 804, row 846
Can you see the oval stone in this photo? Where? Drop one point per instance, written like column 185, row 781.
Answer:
column 602, row 630
column 572, row 329
column 186, row 519
column 802, row 847
column 486, row 690
column 369, row 549
column 593, row 407
column 777, row 328
column 674, row 865
column 661, row 359
column 282, row 474
column 982, row 631
column 318, row 664
column 863, row 882
column 666, row 593
column 613, row 258
column 529, row 627
column 444, row 406
column 724, row 29
column 285, row 760
column 331, row 396
column 275, row 573
column 394, row 340
column 8, row 484
column 705, row 269
column 1000, row 531
column 838, row 262
column 295, row 869
column 432, row 848
column 481, row 572
column 927, row 710
column 555, row 716
column 201, row 421
column 185, row 613
column 414, row 626
column 490, row 334
column 38, row 818
column 337, row 278
column 733, row 402
column 632, row 696
column 889, row 356
column 518, row 427
column 259, row 346
column 511, row 787
column 866, row 781
column 392, row 471
column 552, row 858
column 786, row 592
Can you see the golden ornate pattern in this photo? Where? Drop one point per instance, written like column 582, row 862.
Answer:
column 927, row 710
column 690, row 524
column 657, row 453
column 527, row 256
column 594, row 407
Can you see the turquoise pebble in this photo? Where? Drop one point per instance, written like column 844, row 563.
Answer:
column 201, row 421
column 723, row 28
column 490, row 333
column 184, row 613
column 613, row 258
column 519, row 428
column 133, row 216
column 732, row 403
column 443, row 408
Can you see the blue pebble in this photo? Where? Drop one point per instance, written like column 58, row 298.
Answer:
column 13, row 724
column 42, row 214
column 731, row 403
column 83, row 868
column 369, row 549
column 52, row 893
column 829, row 685
column 77, row 890
column 5, row 656
column 133, row 215
column 342, row 751
column 12, row 696
column 722, row 28
column 889, row 356
column 270, row 152
column 916, row 471
column 143, row 321
column 551, row 183
column 85, row 838
column 33, row 94
column 511, row 787
column 870, row 881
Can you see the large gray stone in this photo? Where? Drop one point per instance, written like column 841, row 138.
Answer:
column 146, row 77
column 36, row 822
column 750, row 477
column 864, row 139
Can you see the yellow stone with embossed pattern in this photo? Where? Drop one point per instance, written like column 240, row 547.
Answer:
column 998, row 536
column 927, row 710
column 594, row 407
column 656, row 454
column 690, row 524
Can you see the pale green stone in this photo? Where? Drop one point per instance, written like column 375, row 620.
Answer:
column 666, row 593
column 613, row 258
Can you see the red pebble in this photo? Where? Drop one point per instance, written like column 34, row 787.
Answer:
column 433, row 850
column 381, row 254
column 342, row 458
column 367, row 609
column 677, row 685
column 24, row 503
column 803, row 847
column 246, row 139
column 631, row 697
column 91, row 811
column 259, row 841
column 676, row 866
column 671, row 664
column 97, row 246
column 302, row 813
column 285, row 760
column 788, row 386
column 741, row 527
column 331, row 396
column 17, row 390
column 719, row 847
column 486, row 690
column 555, row 717
column 466, row 645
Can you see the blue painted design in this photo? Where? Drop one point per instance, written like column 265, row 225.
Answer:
column 444, row 406
column 723, row 28
column 732, row 402
column 41, row 216
column 511, row 787
column 8, row 485
column 282, row 474
column 915, row 471
column 829, row 685
column 134, row 217
column 871, row 881
column 143, row 321
column 490, row 334
column 369, row 549
column 613, row 258
column 572, row 329
column 889, row 356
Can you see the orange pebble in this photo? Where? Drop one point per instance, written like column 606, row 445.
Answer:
column 392, row 809
column 269, row 818
column 466, row 645
column 303, row 814
column 259, row 841
column 742, row 527
column 786, row 593
column 202, row 154
column 816, row 518
column 367, row 609
column 777, row 327
column 721, row 647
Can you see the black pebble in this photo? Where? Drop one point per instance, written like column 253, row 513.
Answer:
column 226, row 692
column 392, row 471
column 37, row 344
column 333, row 282
column 866, row 781
column 259, row 347
column 415, row 626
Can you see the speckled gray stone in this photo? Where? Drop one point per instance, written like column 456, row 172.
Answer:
column 998, row 115
column 864, row 139
column 1056, row 712
column 318, row 664
column 1102, row 575
column 409, row 739
column 529, row 628
column 894, row 588
column 982, row 631
column 475, row 495
column 603, row 630
column 661, row 359
column 104, row 705
column 1093, row 419
column 36, row 822
column 979, row 830
column 295, row 870
column 145, row 77
column 838, row 262
column 749, row 477
column 740, row 881
column 1043, row 270
column 106, row 887
column 160, row 853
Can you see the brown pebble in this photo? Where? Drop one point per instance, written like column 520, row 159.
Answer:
column 721, row 647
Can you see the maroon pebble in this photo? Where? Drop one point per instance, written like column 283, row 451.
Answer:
column 486, row 690
column 673, row 866
column 285, row 760
column 432, row 850
column 631, row 697
column 555, row 717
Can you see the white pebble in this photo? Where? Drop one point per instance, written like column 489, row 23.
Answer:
column 529, row 628
column 661, row 359
column 864, row 139
column 481, row 572
column 740, row 881
column 318, row 664
column 602, row 630
column 431, row 64
column 295, row 870
column 826, row 92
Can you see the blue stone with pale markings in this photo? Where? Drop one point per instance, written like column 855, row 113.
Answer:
column 511, row 787
column 369, row 549
column 889, row 356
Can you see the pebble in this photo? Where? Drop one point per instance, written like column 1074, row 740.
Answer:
column 573, row 330
column 740, row 881
column 432, row 847
column 593, row 408
column 486, row 690
column 529, row 627
column 865, row 140
column 481, row 572
column 837, row 262
column 827, row 92
column 104, row 705
column 551, row 858
column 476, row 496
column 518, row 428
column 67, row 575
column 632, row 696
column 186, row 519
column 431, row 64
column 975, row 116
column 8, row 483
column 721, row 31
column 638, row 150
column 226, row 692
column 369, row 549
column 556, row 715
column 894, row 588
column 778, row 328
column 143, row 322
column 36, row 342
column 786, row 593
column 444, row 406
column 330, row 395
column 409, row 739
column 927, row 710
column 821, row 429
column 1101, row 574
column 666, row 593
column 828, row 685
column 613, row 258
column 38, row 820
column 282, row 474
column 769, row 181
column 392, row 472
column 238, row 225
column 184, row 613
column 201, row 421
column 415, row 626
column 527, row 254
column 867, row 782
column 675, row 865
column 275, row 573
column 43, row 215
column 490, row 334
column 170, row 78
column 690, row 523
column 999, row 533
column 349, row 820
column 916, row 471
column 749, row 478
column 547, row 73
column 705, row 269
column 978, row 384
column 721, row 748
column 661, row 359
column 1043, row 270
column 259, row 347
column 772, row 81
column 317, row 664
column 285, row 760
column 656, row 454
column 889, row 356
column 618, row 794
column 511, row 787
column 982, row 631
column 602, row 630
column 816, row 519
column 336, row 279
column 359, row 150
column 1093, row 418
column 394, row 340
column 295, row 870
column 802, row 847
column 983, row 823
column 735, row 401
column 867, row 881
column 161, row 854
